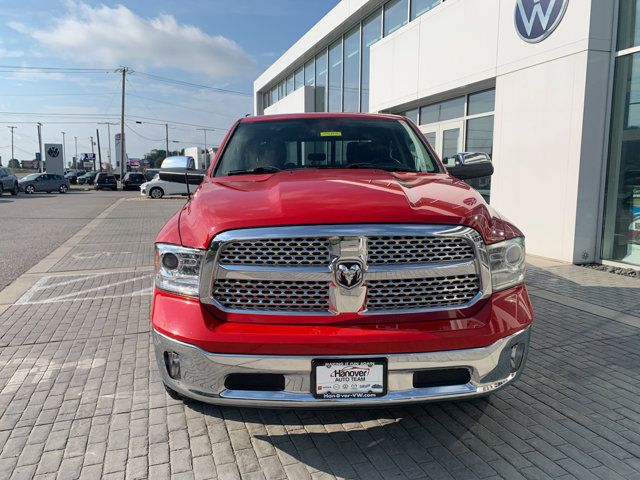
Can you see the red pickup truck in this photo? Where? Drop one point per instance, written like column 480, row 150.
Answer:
column 331, row 259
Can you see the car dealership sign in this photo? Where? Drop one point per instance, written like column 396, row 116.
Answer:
column 537, row 19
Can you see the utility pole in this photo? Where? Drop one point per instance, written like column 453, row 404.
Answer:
column 64, row 151
column 40, row 146
column 108, row 124
column 75, row 164
column 93, row 154
column 206, row 152
column 12, row 129
column 99, row 151
column 122, row 147
column 166, row 129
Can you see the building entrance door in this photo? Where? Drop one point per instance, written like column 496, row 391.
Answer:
column 446, row 139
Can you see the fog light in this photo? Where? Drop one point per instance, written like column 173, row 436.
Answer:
column 517, row 354
column 172, row 362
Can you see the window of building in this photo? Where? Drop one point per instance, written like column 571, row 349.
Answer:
column 335, row 77
column 321, row 82
column 482, row 102
column 628, row 24
column 371, row 33
column 289, row 85
column 309, row 73
column 395, row 15
column 274, row 95
column 298, row 78
column 442, row 111
column 413, row 115
column 419, row 7
column 351, row 96
column 281, row 90
column 621, row 241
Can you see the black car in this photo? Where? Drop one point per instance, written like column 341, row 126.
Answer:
column 133, row 180
column 150, row 173
column 8, row 181
column 105, row 180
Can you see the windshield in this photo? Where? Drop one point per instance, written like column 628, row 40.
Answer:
column 266, row 147
column 31, row 176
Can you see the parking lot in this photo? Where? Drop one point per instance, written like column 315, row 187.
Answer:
column 80, row 396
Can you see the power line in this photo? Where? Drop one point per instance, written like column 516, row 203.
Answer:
column 190, row 84
column 19, row 68
column 142, row 136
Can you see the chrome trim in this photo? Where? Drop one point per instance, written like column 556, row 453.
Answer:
column 203, row 374
column 349, row 237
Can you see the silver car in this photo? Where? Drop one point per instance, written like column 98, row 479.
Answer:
column 43, row 182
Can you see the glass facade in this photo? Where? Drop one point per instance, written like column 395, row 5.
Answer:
column 418, row 7
column 628, row 24
column 335, row 77
column 621, row 240
column 395, row 15
column 371, row 33
column 352, row 80
column 321, row 83
column 351, row 100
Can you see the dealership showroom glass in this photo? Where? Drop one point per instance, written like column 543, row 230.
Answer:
column 549, row 89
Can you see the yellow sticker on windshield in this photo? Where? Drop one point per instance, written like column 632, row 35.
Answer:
column 330, row 134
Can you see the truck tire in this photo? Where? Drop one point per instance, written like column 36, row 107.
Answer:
column 175, row 395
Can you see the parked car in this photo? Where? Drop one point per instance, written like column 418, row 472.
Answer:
column 326, row 253
column 8, row 181
column 87, row 179
column 133, row 180
column 158, row 188
column 105, row 180
column 43, row 182
column 150, row 173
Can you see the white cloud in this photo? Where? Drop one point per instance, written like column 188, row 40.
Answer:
column 117, row 36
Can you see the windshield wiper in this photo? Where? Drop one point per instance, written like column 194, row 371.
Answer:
column 255, row 171
column 387, row 168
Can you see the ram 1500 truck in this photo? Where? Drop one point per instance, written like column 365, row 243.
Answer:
column 332, row 260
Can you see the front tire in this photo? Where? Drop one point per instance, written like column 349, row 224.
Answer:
column 15, row 190
column 175, row 395
column 30, row 189
column 63, row 189
column 156, row 193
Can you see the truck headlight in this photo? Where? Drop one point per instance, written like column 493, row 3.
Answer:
column 178, row 269
column 507, row 261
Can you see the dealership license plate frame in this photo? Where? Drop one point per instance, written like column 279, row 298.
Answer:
column 322, row 362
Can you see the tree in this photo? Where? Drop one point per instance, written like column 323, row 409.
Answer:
column 155, row 157
column 13, row 163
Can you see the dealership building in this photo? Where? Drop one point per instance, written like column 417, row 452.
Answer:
column 550, row 89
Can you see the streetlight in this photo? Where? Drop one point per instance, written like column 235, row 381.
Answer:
column 76, row 162
column 166, row 130
column 12, row 129
column 64, row 150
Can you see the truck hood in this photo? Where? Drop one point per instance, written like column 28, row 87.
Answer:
column 316, row 197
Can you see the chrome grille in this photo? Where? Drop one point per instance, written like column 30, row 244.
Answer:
column 295, row 270
column 277, row 251
column 272, row 295
column 421, row 293
column 417, row 249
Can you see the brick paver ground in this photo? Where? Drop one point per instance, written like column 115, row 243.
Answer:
column 80, row 396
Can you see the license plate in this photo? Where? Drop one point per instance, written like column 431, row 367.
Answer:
column 333, row 379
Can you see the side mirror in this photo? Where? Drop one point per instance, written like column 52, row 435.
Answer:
column 182, row 175
column 472, row 169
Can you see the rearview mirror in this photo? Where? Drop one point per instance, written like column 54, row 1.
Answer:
column 471, row 165
column 182, row 175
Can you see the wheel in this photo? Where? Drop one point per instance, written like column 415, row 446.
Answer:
column 15, row 189
column 156, row 192
column 1, row 190
column 115, row 189
column 63, row 189
column 175, row 395
column 97, row 188
column 30, row 189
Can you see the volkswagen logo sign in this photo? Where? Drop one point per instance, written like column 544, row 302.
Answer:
column 349, row 274
column 53, row 152
column 537, row 19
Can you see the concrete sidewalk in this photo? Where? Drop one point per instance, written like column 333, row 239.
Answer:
column 80, row 396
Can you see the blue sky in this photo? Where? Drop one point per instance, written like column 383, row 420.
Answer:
column 221, row 43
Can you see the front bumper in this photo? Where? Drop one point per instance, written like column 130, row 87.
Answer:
column 202, row 374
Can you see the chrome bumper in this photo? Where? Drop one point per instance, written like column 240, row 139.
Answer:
column 202, row 374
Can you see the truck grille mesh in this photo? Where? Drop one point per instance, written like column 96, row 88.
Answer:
column 272, row 295
column 277, row 251
column 421, row 293
column 405, row 249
